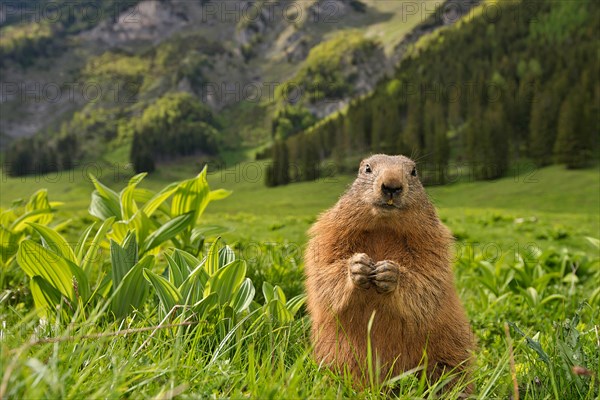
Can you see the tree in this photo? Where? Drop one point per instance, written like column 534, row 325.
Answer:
column 542, row 126
column 413, row 132
column 572, row 146
column 177, row 124
column 141, row 155
column 278, row 171
column 437, row 149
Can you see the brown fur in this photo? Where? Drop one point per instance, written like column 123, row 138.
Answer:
column 366, row 256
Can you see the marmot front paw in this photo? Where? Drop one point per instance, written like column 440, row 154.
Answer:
column 385, row 276
column 360, row 268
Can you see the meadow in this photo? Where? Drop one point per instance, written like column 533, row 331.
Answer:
column 526, row 265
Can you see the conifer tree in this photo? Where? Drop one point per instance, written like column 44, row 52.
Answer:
column 572, row 147
column 542, row 126
column 141, row 155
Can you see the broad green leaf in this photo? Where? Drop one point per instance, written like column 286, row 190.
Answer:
column 219, row 194
column 55, row 241
column 112, row 198
column 226, row 281
column 184, row 258
column 123, row 258
column 142, row 195
column 207, row 230
column 104, row 190
column 226, row 256
column 145, row 196
column 159, row 198
column 192, row 289
column 279, row 295
column 203, row 307
column 136, row 179
column 7, row 217
column 90, row 256
column 140, row 224
column 38, row 201
column 133, row 289
column 45, row 296
column 168, row 231
column 105, row 287
column 126, row 197
column 80, row 248
column 119, row 231
column 295, row 303
column 61, row 226
column 243, row 296
column 168, row 295
column 268, row 292
column 31, row 216
column 211, row 263
column 8, row 244
column 191, row 195
column 277, row 310
column 37, row 260
column 553, row 297
column 176, row 275
column 101, row 208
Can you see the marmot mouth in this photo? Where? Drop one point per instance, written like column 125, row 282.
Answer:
column 387, row 206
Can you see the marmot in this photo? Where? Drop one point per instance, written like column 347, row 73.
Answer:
column 382, row 249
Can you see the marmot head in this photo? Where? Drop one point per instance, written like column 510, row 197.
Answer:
column 389, row 184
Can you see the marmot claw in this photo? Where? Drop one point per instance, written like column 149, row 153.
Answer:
column 360, row 268
column 385, row 276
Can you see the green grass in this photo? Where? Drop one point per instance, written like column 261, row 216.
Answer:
column 493, row 222
column 549, row 199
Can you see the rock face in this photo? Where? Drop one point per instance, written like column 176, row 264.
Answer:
column 362, row 72
column 284, row 27
column 149, row 20
column 450, row 12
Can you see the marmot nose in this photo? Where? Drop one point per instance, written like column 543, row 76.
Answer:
column 391, row 190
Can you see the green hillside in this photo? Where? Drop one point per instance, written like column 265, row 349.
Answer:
column 555, row 198
column 98, row 76
column 488, row 92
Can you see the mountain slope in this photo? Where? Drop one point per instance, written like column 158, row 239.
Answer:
column 89, row 95
column 513, row 82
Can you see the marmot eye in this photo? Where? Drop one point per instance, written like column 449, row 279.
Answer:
column 414, row 172
column 368, row 169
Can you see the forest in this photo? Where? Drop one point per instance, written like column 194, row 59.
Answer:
column 505, row 85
